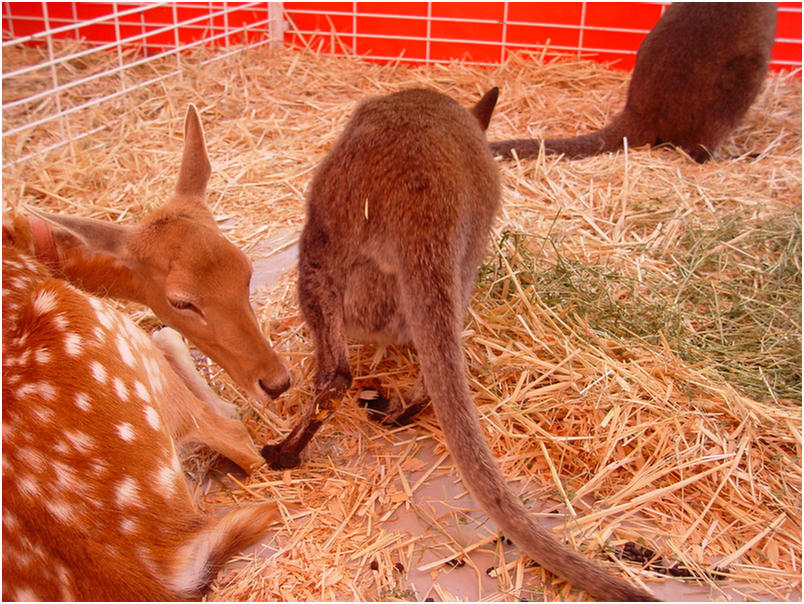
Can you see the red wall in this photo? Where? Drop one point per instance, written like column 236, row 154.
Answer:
column 605, row 31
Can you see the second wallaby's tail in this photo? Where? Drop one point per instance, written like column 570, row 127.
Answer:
column 197, row 562
column 605, row 140
column 436, row 337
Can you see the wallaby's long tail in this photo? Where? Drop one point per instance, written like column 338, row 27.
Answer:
column 198, row 561
column 437, row 342
column 608, row 139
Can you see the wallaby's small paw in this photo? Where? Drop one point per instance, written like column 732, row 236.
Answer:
column 278, row 459
column 389, row 412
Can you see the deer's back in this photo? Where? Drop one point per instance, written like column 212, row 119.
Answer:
column 93, row 492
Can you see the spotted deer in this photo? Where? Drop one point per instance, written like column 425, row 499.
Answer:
column 95, row 502
column 176, row 261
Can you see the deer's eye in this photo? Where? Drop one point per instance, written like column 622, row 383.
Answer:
column 185, row 306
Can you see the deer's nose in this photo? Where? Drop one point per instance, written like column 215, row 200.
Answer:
column 274, row 389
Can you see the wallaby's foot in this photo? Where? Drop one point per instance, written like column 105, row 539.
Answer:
column 393, row 412
column 338, row 381
column 287, row 454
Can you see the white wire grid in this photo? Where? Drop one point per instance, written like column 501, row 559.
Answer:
column 56, row 103
column 503, row 44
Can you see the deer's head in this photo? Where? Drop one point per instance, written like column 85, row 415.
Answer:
column 178, row 262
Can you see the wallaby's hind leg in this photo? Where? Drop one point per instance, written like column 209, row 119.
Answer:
column 395, row 411
column 321, row 301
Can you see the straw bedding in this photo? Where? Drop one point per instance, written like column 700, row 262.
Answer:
column 633, row 345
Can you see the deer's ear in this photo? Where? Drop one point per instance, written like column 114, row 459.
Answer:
column 485, row 106
column 195, row 168
column 95, row 236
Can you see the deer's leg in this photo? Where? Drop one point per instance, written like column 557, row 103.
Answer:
column 226, row 436
column 172, row 345
column 193, row 418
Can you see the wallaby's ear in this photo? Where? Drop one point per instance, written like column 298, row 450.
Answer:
column 96, row 236
column 482, row 111
column 195, row 168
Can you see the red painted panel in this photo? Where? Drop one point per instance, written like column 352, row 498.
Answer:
column 629, row 15
column 322, row 23
column 418, row 9
column 386, row 47
column 786, row 51
column 532, row 34
column 462, row 51
column 330, row 7
column 469, row 10
column 564, row 13
column 610, row 40
column 788, row 25
column 391, row 26
column 24, row 18
column 459, row 30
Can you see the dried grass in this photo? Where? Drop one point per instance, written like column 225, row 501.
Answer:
column 631, row 345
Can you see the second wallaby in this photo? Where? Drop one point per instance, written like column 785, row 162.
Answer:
column 398, row 216
column 696, row 74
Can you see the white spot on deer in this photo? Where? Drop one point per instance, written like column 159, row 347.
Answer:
column 10, row 521
column 152, row 415
column 166, row 479
column 127, row 492
column 99, row 334
column 98, row 371
column 142, row 392
column 28, row 485
column 82, row 401
column 31, row 458
column 45, row 414
column 176, row 463
column 120, row 389
column 154, row 374
column 59, row 322
column 26, row 594
column 67, row 477
column 104, row 314
column 25, row 390
column 61, row 448
column 127, row 525
column 126, row 431
column 72, row 344
column 125, row 351
column 60, row 510
column 44, row 302
column 66, row 581
column 83, row 443
column 46, row 390
column 42, row 356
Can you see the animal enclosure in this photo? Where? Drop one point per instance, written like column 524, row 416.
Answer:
column 633, row 344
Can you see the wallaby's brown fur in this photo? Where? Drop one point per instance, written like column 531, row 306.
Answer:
column 696, row 74
column 398, row 215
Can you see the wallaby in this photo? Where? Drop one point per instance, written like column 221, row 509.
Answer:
column 696, row 74
column 398, row 215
